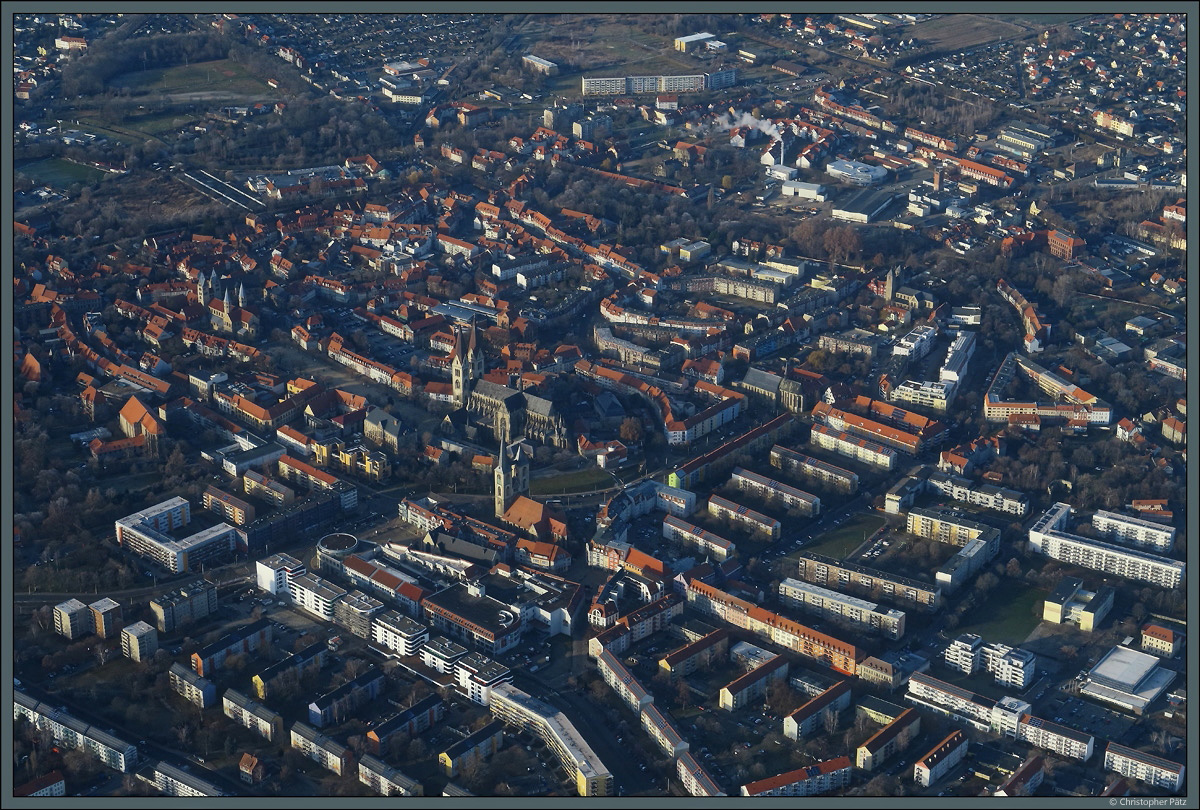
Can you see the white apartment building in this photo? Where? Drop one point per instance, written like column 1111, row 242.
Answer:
column 72, row 619
column 274, row 574
column 1147, row 768
column 146, row 533
column 1047, row 536
column 964, row 654
column 252, row 715
column 1134, row 531
column 940, row 759
column 316, row 595
column 396, row 632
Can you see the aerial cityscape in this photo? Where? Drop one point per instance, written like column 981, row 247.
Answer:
column 562, row 405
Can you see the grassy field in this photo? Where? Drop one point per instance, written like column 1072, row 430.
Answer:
column 581, row 481
column 847, row 537
column 1006, row 616
column 955, row 31
column 219, row 76
column 59, row 173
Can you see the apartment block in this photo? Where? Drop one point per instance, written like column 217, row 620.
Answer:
column 890, row 740
column 867, row 616
column 813, row 780
column 72, row 619
column 940, row 759
column 184, row 606
column 1146, row 768
column 139, row 642
column 736, row 512
column 516, row 708
column 1133, row 531
column 316, row 746
column 252, row 715
column 830, row 572
column 193, row 688
column 386, row 780
column 394, row 631
column 811, row 717
column 814, row 469
column 695, row 780
column 1048, row 536
column 806, row 503
column 753, row 685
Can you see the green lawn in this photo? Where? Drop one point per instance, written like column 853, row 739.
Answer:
column 221, row 75
column 845, row 538
column 581, row 481
column 59, row 173
column 1006, row 616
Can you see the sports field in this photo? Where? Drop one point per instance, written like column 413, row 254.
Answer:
column 59, row 173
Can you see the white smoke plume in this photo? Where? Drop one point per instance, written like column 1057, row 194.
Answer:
column 725, row 122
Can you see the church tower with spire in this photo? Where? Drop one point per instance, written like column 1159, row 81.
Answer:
column 466, row 364
column 511, row 476
column 242, row 301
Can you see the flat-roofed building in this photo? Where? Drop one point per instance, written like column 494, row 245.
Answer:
column 1127, row 678
column 1048, row 536
column 139, row 642
column 869, row 616
column 576, row 757
column 811, row 717
column 316, row 746
column 466, row 612
column 475, row 675
column 950, row 700
column 106, row 617
column 1152, row 770
column 947, row 526
column 172, row 781
column 889, row 740
column 147, row 534
column 442, row 654
column 193, row 688
column 1069, row 603
column 940, row 759
column 182, row 607
column 828, row 571
column 386, row 780
column 316, row 595
column 1134, row 531
column 72, row 619
column 394, row 631
column 812, row 780
column 356, row 611
column 1008, row 501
